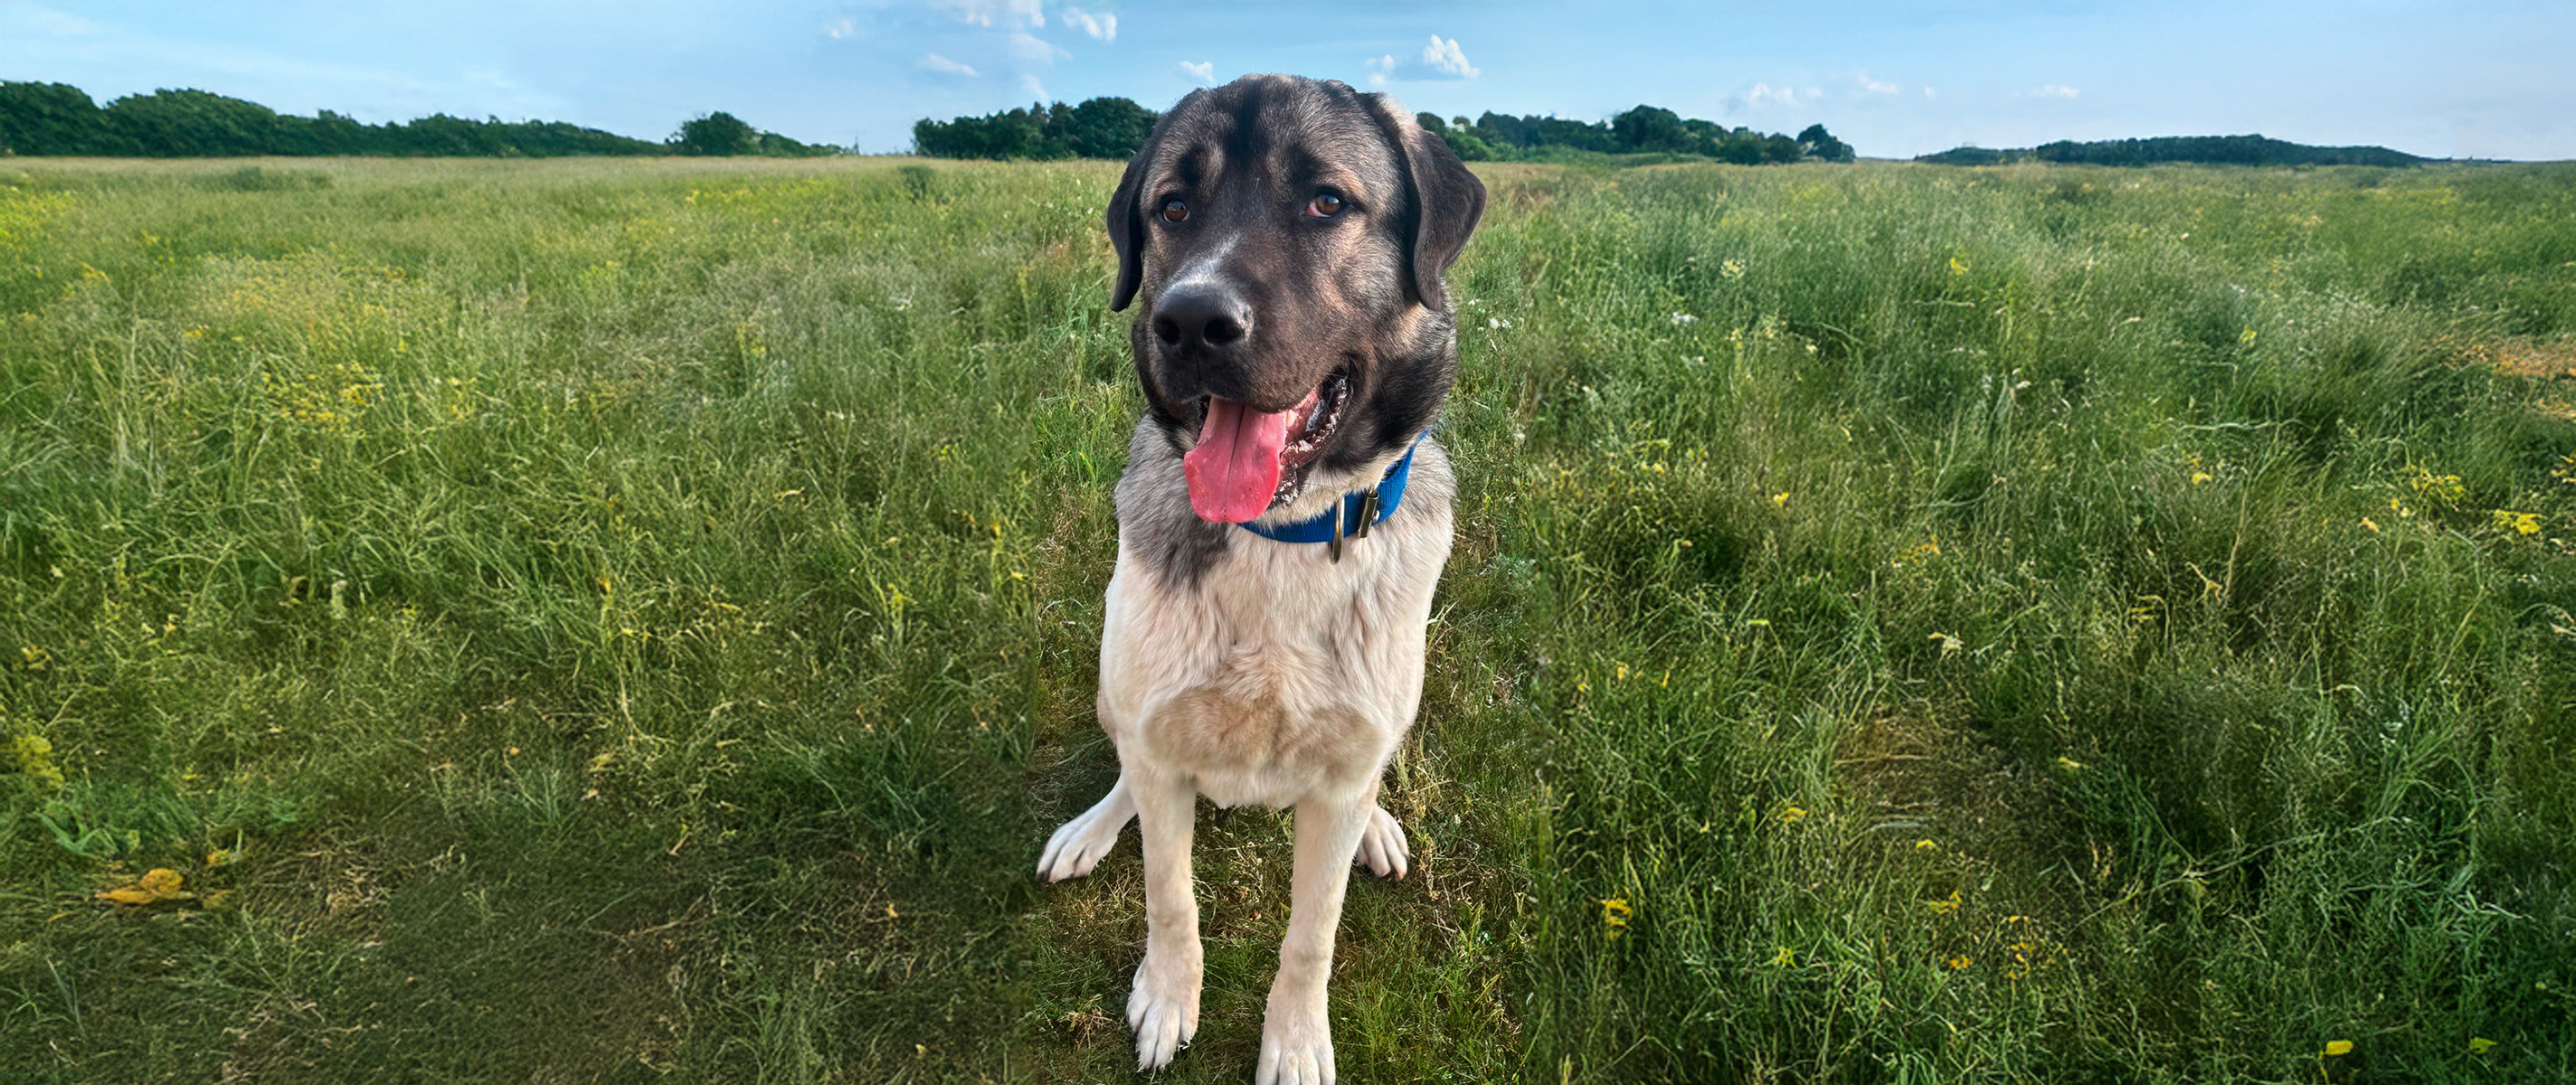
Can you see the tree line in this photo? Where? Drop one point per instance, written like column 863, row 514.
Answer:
column 1645, row 129
column 1116, row 127
column 2162, row 150
column 1099, row 128
column 58, row 119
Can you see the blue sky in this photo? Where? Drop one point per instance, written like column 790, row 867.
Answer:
column 2467, row 78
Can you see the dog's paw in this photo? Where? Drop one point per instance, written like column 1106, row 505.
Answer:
column 1078, row 845
column 1383, row 848
column 1163, row 1008
column 1296, row 1045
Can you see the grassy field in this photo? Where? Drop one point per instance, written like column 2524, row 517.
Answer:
column 578, row 621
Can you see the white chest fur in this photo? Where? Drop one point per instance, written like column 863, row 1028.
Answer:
column 1281, row 674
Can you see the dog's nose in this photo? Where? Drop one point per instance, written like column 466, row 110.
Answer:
column 1202, row 316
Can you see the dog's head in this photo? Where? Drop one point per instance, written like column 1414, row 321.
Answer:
column 1287, row 237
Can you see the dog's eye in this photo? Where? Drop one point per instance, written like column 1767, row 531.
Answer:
column 1326, row 204
column 1175, row 209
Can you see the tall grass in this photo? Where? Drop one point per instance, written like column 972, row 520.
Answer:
column 576, row 620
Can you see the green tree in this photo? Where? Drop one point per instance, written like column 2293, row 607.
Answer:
column 1821, row 144
column 1108, row 128
column 1467, row 146
column 717, row 133
column 1650, row 128
column 188, row 124
column 48, row 118
column 1112, row 128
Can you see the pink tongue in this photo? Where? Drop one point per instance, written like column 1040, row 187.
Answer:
column 1234, row 471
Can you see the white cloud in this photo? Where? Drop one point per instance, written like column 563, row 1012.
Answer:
column 1029, row 48
column 1380, row 69
column 1446, row 58
column 841, row 28
column 1875, row 87
column 1102, row 26
column 1007, row 14
column 2054, row 91
column 1927, row 92
column 1029, row 82
column 1203, row 71
column 1766, row 94
column 938, row 63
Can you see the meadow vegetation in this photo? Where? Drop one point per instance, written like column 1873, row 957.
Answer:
column 587, row 620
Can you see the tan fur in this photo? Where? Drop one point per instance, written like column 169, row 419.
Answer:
column 1217, row 737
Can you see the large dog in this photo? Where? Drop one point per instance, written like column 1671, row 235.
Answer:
column 1287, row 238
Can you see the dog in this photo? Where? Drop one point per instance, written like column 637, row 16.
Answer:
column 1284, row 514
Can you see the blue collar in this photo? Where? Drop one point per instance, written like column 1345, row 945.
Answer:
column 1354, row 514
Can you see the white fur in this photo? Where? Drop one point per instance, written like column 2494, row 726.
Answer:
column 1208, row 267
column 1282, row 678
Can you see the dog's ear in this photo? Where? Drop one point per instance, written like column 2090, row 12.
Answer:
column 1127, row 227
column 1447, row 202
column 1447, row 199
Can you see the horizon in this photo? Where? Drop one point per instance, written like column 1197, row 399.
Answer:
column 2415, row 77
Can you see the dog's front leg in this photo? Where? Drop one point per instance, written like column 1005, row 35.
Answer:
column 1163, row 1008
column 1296, row 1037
column 1078, row 844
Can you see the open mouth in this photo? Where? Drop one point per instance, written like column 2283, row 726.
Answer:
column 1247, row 460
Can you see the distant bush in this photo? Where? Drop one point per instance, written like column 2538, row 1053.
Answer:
column 723, row 134
column 56, row 119
column 2206, row 150
column 2221, row 150
column 1971, row 156
column 263, row 179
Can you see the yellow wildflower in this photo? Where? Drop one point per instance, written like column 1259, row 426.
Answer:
column 2520, row 523
column 33, row 755
column 154, row 887
column 2338, row 1048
